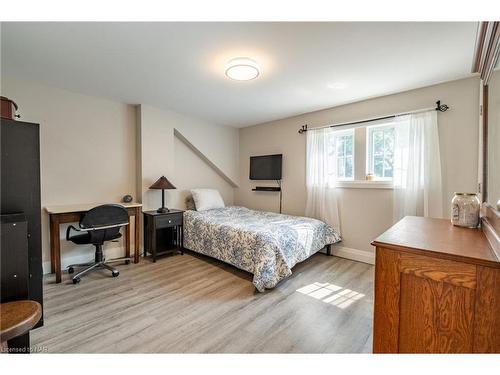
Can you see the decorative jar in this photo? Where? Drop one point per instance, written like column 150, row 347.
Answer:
column 465, row 210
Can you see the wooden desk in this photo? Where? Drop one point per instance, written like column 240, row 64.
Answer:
column 72, row 213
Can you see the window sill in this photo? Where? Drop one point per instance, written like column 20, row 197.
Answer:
column 364, row 184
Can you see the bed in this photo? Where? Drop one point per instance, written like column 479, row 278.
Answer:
column 265, row 244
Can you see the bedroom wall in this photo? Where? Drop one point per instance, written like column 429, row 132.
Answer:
column 87, row 153
column 365, row 213
column 164, row 154
column 91, row 153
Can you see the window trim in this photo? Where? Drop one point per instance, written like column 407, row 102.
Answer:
column 365, row 184
column 369, row 160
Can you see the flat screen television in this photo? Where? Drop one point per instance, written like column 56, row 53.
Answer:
column 266, row 167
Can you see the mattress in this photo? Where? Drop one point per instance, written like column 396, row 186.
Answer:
column 265, row 244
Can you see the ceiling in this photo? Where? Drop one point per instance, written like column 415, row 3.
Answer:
column 180, row 66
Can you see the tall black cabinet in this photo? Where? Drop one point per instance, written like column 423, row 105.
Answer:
column 20, row 210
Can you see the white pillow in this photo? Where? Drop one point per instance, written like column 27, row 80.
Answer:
column 206, row 199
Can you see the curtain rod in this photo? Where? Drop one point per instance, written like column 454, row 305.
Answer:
column 439, row 107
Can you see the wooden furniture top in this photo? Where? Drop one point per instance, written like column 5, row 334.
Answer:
column 82, row 207
column 438, row 237
column 17, row 318
column 171, row 212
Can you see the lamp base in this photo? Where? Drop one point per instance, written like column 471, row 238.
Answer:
column 163, row 210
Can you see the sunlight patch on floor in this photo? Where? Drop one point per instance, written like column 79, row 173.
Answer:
column 332, row 294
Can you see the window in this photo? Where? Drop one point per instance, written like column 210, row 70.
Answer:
column 342, row 144
column 380, row 151
column 358, row 151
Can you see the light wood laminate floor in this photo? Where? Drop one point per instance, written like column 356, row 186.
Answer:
column 193, row 304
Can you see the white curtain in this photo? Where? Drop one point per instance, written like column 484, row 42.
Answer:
column 321, row 166
column 417, row 166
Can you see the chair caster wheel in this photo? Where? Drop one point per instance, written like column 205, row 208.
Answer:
column 76, row 280
column 71, row 270
column 127, row 261
column 115, row 274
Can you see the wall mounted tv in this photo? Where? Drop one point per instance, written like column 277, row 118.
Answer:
column 266, row 167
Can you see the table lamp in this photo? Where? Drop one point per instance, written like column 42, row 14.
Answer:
column 162, row 183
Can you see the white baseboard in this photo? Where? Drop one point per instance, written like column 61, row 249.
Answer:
column 353, row 254
column 84, row 257
column 117, row 252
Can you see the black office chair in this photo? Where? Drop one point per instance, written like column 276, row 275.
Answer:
column 100, row 224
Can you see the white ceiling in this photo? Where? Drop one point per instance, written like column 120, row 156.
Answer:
column 180, row 66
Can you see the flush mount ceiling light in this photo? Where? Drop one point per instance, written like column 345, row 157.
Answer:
column 242, row 69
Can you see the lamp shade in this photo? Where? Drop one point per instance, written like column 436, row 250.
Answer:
column 162, row 183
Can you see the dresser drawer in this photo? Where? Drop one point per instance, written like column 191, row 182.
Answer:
column 165, row 221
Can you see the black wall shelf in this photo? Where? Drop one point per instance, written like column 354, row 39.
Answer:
column 266, row 188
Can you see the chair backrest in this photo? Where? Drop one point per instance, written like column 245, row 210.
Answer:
column 101, row 216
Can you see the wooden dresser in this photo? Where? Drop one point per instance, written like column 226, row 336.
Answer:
column 437, row 289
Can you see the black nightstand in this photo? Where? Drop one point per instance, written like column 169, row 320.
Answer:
column 163, row 233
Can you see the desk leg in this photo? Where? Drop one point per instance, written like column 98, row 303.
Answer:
column 55, row 248
column 137, row 225
column 128, row 231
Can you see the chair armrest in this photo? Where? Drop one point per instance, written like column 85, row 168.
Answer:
column 69, row 230
column 103, row 227
column 80, row 229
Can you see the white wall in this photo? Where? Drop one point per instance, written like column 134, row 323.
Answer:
column 163, row 154
column 365, row 213
column 87, row 152
column 91, row 153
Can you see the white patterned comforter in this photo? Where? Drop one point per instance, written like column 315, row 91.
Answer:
column 265, row 244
